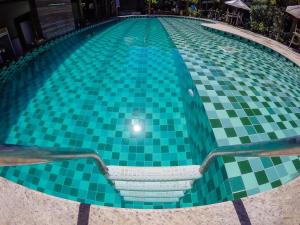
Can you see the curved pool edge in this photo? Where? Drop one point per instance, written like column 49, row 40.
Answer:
column 296, row 53
column 20, row 205
column 276, row 46
column 214, row 25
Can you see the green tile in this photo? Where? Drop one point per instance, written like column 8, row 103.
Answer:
column 259, row 129
column 239, row 195
column 218, row 106
column 244, row 167
column 245, row 121
column 272, row 136
column 230, row 132
column 245, row 140
column 261, row 177
column 228, row 159
column 276, row 183
column 296, row 164
column 231, row 113
column 215, row 123
column 276, row 160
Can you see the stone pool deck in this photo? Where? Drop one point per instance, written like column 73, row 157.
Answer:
column 276, row 46
column 20, row 205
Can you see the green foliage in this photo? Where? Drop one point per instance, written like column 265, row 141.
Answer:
column 191, row 1
column 152, row 1
column 259, row 17
column 267, row 17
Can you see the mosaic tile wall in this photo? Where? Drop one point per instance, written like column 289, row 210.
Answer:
column 68, row 116
column 52, row 103
column 127, row 70
column 244, row 103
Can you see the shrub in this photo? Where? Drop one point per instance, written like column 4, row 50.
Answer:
column 259, row 18
column 267, row 17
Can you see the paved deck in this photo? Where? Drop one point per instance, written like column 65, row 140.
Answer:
column 19, row 205
column 276, row 46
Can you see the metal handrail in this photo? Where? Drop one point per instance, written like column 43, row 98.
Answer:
column 13, row 155
column 282, row 147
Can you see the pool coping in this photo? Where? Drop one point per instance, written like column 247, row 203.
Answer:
column 276, row 46
column 20, row 205
column 162, row 15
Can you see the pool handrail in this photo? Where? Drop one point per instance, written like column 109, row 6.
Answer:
column 13, row 155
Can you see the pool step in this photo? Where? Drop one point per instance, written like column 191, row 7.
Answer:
column 170, row 173
column 137, row 199
column 153, row 184
column 152, row 194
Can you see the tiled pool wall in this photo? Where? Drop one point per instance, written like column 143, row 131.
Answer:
column 227, row 178
column 7, row 72
column 200, row 132
column 18, row 88
column 211, row 188
column 60, row 179
column 238, row 111
column 74, row 180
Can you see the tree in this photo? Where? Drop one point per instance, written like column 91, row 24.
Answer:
column 150, row 2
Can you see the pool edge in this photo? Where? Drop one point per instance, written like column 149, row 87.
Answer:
column 20, row 205
column 276, row 46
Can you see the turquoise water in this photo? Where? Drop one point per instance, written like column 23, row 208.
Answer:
column 130, row 73
column 123, row 90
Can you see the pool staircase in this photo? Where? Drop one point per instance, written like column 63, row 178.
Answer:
column 153, row 184
column 148, row 184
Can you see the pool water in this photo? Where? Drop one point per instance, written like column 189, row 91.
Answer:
column 93, row 97
column 152, row 92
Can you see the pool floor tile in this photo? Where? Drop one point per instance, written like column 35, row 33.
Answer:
column 72, row 96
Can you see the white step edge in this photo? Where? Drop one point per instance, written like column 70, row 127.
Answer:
column 153, row 194
column 153, row 186
column 170, row 173
column 135, row 199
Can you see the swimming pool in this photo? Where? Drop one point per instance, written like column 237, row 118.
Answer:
column 152, row 92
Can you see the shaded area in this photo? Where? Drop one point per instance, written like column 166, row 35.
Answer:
column 83, row 214
column 241, row 212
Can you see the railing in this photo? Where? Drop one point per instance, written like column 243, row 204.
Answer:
column 13, row 155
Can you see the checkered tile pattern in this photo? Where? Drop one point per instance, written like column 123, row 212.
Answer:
column 249, row 176
column 86, row 90
column 244, row 102
column 85, row 93
column 250, row 94
column 90, row 100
